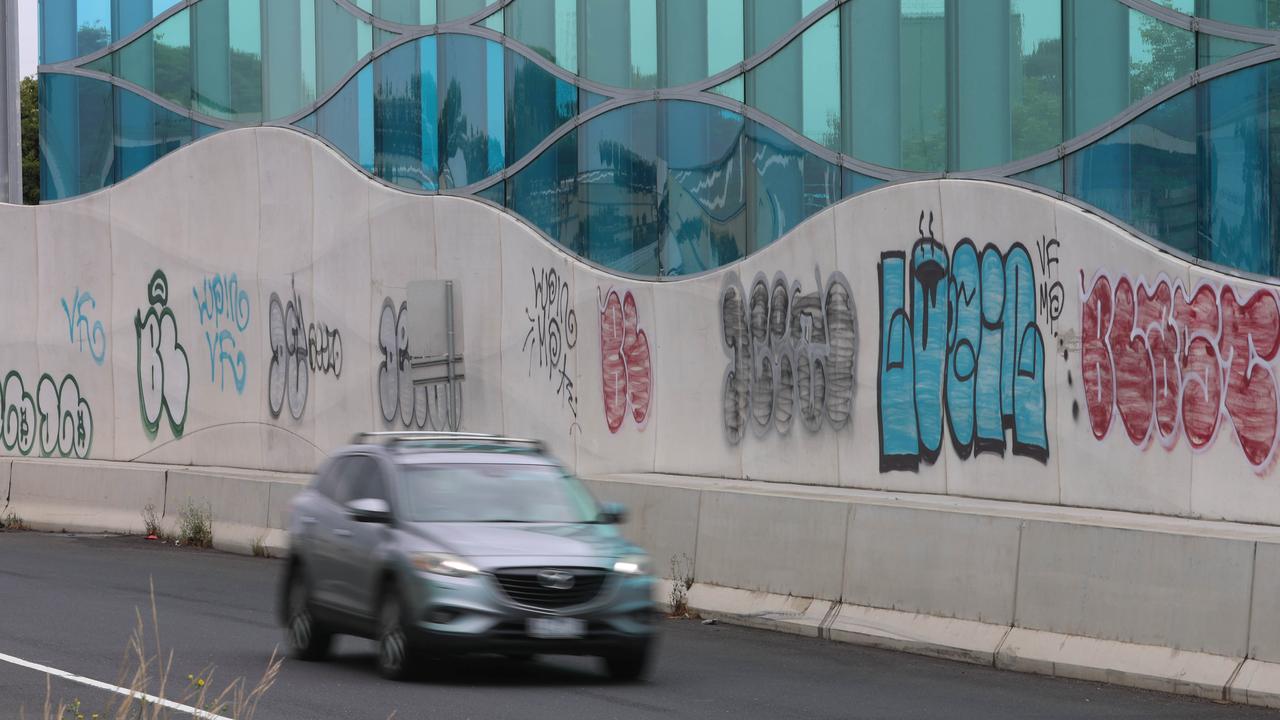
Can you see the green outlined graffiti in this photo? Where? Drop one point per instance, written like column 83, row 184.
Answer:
column 164, row 375
column 58, row 416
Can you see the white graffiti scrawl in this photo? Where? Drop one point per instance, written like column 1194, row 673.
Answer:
column 164, row 376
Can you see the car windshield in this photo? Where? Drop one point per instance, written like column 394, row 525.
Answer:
column 494, row 493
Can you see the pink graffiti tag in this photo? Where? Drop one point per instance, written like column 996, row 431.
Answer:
column 1168, row 361
column 626, row 364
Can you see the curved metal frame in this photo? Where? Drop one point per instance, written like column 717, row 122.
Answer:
column 700, row 92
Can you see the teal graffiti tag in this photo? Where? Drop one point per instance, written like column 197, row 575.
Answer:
column 81, row 329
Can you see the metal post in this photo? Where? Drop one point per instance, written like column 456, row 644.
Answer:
column 10, row 119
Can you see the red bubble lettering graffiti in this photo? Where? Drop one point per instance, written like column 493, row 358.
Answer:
column 1167, row 362
column 626, row 362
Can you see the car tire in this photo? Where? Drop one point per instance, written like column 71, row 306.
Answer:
column 628, row 664
column 395, row 654
column 307, row 638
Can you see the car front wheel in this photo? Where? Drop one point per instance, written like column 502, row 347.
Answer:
column 395, row 657
column 307, row 639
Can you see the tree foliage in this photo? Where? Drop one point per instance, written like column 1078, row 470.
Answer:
column 30, row 125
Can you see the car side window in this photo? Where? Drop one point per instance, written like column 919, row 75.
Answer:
column 327, row 482
column 362, row 479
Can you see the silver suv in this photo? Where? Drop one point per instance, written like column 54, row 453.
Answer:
column 443, row 543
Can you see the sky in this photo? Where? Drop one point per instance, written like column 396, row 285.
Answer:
column 28, row 44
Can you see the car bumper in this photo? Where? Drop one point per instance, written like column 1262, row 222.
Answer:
column 473, row 615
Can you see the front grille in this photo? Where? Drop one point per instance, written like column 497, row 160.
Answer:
column 523, row 586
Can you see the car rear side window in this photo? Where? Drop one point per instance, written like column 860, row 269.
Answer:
column 327, row 481
column 361, row 479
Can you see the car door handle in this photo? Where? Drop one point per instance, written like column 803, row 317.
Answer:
column 341, row 533
column 307, row 520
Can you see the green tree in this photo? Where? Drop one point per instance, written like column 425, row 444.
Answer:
column 30, row 112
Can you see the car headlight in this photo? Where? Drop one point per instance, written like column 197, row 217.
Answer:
column 443, row 564
column 632, row 565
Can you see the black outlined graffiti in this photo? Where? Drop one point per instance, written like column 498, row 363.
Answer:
column 164, row 375
column 297, row 350
column 553, row 332
column 1051, row 293
column 958, row 339
column 421, row 407
column 790, row 353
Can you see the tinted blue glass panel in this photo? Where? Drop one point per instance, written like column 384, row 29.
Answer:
column 855, row 182
column 789, row 185
column 309, row 122
column 706, row 188
column 471, row 119
column 1144, row 173
column 540, row 102
column 93, row 25
column 344, row 121
column 618, row 188
column 545, row 191
column 588, row 99
column 1046, row 176
column 145, row 132
column 496, row 193
column 1236, row 225
column 401, row 117
column 77, row 129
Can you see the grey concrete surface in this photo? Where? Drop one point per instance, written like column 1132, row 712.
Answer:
column 69, row 602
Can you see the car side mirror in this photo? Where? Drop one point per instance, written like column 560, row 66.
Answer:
column 369, row 510
column 613, row 514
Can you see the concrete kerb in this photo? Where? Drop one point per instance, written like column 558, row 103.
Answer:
column 84, row 496
column 246, row 507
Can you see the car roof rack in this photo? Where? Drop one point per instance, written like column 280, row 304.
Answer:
column 446, row 441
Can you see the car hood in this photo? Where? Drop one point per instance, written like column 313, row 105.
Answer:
column 512, row 540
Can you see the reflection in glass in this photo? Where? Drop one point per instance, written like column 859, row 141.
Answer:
column 789, row 185
column 160, row 60
column 538, row 103
column 707, row 179
column 145, row 133
column 548, row 27
column 404, row 102
column 895, row 82
column 618, row 188
column 623, row 42
column 472, row 109
column 1046, row 176
column 800, row 85
column 346, row 119
column 1143, row 173
column 545, row 192
column 77, row 128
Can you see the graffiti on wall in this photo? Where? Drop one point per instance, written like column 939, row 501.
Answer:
column 1050, row 290
column 163, row 371
column 297, row 350
column 414, row 407
column 553, row 333
column 626, row 361
column 57, row 419
column 223, row 309
column 790, row 353
column 959, row 338
column 83, row 329
column 1173, row 362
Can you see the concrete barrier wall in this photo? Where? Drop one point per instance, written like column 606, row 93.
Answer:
column 243, row 303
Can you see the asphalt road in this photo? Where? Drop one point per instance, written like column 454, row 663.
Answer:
column 70, row 603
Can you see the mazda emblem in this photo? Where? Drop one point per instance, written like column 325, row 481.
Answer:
column 556, row 579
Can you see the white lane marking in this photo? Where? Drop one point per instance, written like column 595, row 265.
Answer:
column 186, row 709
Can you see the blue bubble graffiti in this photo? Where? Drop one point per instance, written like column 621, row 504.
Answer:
column 967, row 345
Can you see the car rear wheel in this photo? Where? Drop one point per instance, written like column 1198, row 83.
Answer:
column 395, row 656
column 307, row 638
column 628, row 664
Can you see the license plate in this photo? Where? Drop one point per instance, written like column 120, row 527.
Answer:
column 557, row 628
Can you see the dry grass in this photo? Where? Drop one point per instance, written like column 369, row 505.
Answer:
column 145, row 673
